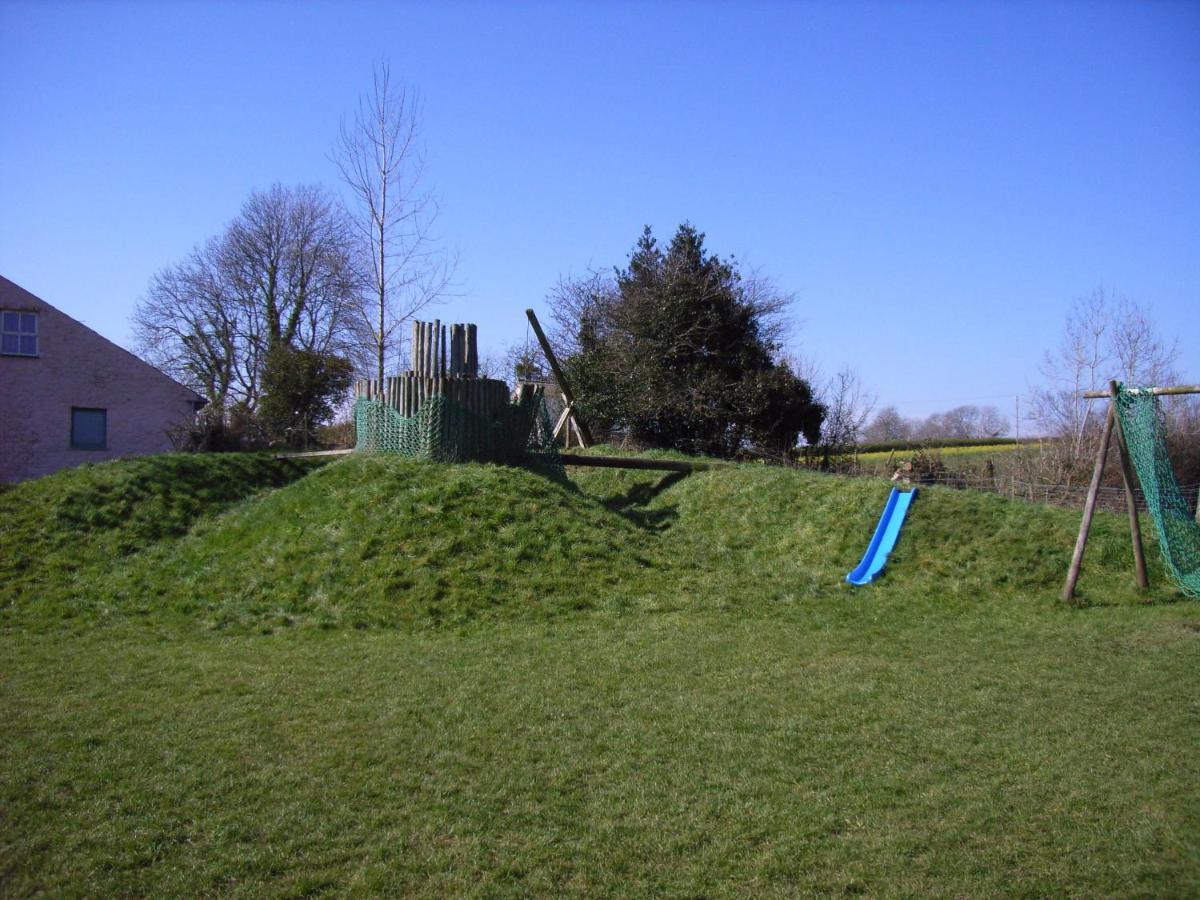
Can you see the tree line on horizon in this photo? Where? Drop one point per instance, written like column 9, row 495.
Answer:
column 678, row 348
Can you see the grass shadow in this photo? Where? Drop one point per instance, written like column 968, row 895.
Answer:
column 632, row 504
column 628, row 504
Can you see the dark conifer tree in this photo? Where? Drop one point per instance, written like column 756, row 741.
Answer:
column 679, row 349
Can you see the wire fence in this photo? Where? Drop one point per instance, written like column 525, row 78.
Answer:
column 991, row 479
column 1109, row 497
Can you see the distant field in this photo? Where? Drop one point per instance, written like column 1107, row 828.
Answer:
column 947, row 454
column 225, row 675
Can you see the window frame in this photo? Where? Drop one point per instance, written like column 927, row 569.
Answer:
column 77, row 445
column 19, row 333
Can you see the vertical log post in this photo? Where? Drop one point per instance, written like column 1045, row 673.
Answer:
column 1089, row 507
column 439, row 361
column 1135, row 528
column 472, row 352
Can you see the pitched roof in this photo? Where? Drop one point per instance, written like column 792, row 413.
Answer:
column 13, row 296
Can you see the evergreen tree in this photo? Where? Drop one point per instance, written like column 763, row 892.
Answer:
column 679, row 349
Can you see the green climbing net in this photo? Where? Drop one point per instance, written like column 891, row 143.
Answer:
column 1178, row 532
column 447, row 431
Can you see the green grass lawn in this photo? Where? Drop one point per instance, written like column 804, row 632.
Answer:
column 393, row 677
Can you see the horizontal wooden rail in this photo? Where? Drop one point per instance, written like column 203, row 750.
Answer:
column 573, row 459
column 639, row 462
column 313, row 453
column 1180, row 389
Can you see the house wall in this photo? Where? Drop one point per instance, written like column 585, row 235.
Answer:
column 76, row 366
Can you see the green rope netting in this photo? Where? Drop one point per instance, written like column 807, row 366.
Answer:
column 1178, row 532
column 446, row 431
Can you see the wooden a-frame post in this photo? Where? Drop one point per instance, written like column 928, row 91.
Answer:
column 571, row 413
column 1111, row 421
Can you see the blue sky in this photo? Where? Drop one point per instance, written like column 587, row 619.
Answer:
column 935, row 182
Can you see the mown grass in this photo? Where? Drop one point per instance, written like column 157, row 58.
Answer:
column 627, row 684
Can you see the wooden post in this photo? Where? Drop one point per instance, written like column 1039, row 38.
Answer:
column 1135, row 528
column 563, row 418
column 1089, row 508
column 472, row 351
column 585, row 436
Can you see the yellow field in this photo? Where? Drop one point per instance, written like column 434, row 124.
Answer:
column 948, row 454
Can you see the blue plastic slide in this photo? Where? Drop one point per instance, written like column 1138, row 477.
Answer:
column 885, row 536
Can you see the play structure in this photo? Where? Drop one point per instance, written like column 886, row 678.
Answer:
column 441, row 409
column 1136, row 417
column 884, row 539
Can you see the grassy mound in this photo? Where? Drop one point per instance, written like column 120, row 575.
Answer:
column 755, row 534
column 94, row 516
column 370, row 542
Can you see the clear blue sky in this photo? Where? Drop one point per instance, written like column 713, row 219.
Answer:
column 936, row 182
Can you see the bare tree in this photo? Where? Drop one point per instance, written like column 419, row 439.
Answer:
column 990, row 423
column 381, row 161
column 888, row 425
column 848, row 406
column 1106, row 337
column 188, row 326
column 962, row 423
column 280, row 276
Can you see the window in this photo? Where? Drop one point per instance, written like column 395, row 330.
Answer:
column 89, row 428
column 18, row 333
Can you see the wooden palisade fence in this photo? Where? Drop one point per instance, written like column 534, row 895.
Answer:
column 445, row 363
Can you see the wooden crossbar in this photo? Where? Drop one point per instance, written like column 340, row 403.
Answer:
column 639, row 462
column 1157, row 391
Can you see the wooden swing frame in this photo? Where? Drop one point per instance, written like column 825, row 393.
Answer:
column 1112, row 422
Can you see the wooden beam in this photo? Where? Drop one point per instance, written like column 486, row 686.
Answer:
column 1158, row 391
column 1089, row 507
column 562, row 420
column 1127, row 476
column 313, row 453
column 584, row 433
column 639, row 462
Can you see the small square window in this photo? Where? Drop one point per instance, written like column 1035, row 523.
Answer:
column 89, row 428
column 18, row 333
